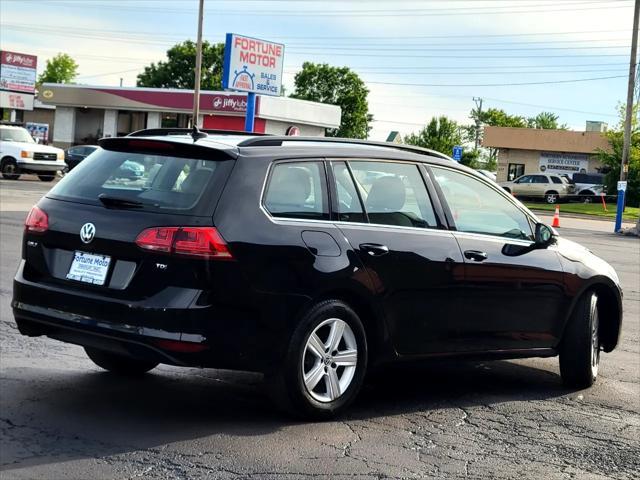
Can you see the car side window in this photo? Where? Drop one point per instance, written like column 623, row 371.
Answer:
column 394, row 193
column 297, row 190
column 540, row 179
column 478, row 208
column 556, row 180
column 525, row 179
column 348, row 205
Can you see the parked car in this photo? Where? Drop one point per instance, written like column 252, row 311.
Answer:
column 550, row 187
column 589, row 186
column 20, row 153
column 74, row 155
column 263, row 253
column 487, row 173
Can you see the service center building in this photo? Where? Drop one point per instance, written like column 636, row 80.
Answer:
column 85, row 113
column 529, row 150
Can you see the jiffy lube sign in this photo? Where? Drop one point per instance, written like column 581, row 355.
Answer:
column 252, row 65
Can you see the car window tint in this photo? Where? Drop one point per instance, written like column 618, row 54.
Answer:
column 478, row 208
column 297, row 190
column 158, row 182
column 348, row 205
column 525, row 179
column 394, row 194
column 540, row 179
column 556, row 180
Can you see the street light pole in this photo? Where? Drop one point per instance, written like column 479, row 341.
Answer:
column 624, row 165
column 196, row 91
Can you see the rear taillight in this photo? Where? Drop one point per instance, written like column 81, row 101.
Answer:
column 37, row 221
column 203, row 242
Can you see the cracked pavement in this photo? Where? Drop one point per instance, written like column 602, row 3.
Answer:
column 62, row 417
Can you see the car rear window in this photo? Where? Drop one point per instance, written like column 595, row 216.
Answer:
column 160, row 183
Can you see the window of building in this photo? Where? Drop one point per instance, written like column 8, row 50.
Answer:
column 515, row 170
column 298, row 190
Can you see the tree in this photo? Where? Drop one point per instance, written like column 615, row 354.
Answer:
column 545, row 120
column 337, row 86
column 612, row 158
column 59, row 69
column 179, row 69
column 440, row 134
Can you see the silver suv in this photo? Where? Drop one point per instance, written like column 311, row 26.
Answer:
column 553, row 188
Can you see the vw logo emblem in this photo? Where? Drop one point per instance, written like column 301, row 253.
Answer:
column 87, row 232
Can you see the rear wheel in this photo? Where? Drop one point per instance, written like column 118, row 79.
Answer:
column 119, row 363
column 47, row 177
column 580, row 347
column 325, row 363
column 9, row 169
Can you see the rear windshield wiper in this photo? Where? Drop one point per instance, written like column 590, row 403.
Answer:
column 118, row 202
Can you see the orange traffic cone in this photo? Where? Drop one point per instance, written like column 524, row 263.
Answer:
column 556, row 218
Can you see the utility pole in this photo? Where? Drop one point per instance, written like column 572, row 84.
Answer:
column 478, row 102
column 196, row 91
column 624, row 166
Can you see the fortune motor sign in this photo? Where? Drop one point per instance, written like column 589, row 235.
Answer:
column 252, row 65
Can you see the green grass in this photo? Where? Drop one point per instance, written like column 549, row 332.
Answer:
column 595, row 209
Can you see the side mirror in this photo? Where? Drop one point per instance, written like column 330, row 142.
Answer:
column 544, row 235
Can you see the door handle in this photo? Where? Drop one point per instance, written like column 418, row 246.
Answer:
column 475, row 255
column 374, row 249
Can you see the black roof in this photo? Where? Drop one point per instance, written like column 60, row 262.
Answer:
column 245, row 142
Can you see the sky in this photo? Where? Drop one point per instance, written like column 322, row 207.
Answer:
column 419, row 59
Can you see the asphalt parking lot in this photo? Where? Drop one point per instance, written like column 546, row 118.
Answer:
column 62, row 417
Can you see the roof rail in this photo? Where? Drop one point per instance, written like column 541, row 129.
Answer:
column 273, row 141
column 158, row 132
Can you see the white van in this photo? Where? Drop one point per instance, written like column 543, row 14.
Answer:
column 20, row 153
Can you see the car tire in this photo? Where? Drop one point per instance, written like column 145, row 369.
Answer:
column 551, row 198
column 321, row 385
column 9, row 167
column 580, row 347
column 119, row 364
column 587, row 197
column 47, row 178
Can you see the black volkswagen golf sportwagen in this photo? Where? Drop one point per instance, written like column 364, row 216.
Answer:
column 310, row 260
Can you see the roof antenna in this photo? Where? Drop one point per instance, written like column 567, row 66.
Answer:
column 196, row 134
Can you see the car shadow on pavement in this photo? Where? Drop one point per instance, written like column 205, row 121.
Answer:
column 56, row 415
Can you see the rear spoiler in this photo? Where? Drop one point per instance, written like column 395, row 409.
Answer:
column 169, row 147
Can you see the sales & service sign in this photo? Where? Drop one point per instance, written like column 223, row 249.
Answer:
column 252, row 65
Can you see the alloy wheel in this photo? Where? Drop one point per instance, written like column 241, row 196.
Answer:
column 329, row 360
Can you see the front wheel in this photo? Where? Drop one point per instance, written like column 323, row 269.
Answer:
column 119, row 364
column 9, row 169
column 580, row 347
column 551, row 198
column 46, row 178
column 325, row 363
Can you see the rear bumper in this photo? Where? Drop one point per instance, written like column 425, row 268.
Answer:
column 242, row 336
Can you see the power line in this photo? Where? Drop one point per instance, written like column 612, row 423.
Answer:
column 463, row 11
column 146, row 34
column 495, row 84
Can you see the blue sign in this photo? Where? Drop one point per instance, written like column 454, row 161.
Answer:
column 457, row 153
